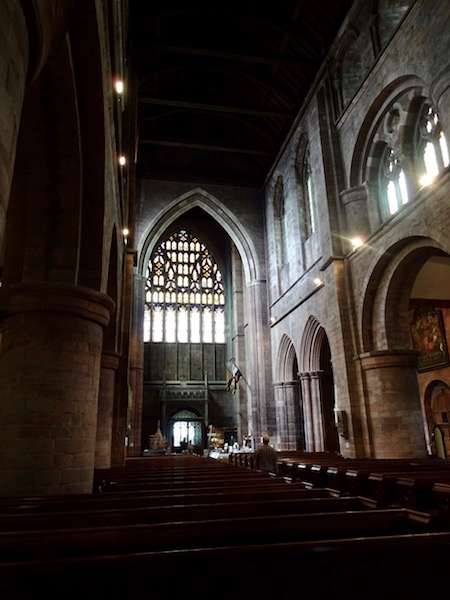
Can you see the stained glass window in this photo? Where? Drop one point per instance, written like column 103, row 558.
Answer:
column 184, row 294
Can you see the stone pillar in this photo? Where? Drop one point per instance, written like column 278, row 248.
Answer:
column 394, row 413
column 281, row 416
column 440, row 92
column 316, row 404
column 49, row 382
column 355, row 202
column 137, row 367
column 305, row 382
column 106, row 398
column 293, row 421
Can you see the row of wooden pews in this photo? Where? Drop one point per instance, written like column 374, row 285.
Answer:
column 199, row 527
column 410, row 483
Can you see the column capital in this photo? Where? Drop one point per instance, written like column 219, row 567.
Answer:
column 110, row 360
column 388, row 358
column 54, row 297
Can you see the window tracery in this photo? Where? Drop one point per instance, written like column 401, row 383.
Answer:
column 184, row 293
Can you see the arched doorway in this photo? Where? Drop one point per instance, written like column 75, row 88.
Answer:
column 186, row 427
column 330, row 432
column 289, row 410
column 440, row 410
column 317, row 385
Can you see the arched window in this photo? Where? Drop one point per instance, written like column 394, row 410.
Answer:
column 432, row 147
column 393, row 183
column 280, row 222
column 184, row 294
column 309, row 199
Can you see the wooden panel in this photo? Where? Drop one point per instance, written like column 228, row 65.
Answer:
column 209, row 360
column 184, row 351
column 221, row 362
column 155, row 359
column 171, row 361
column 196, row 362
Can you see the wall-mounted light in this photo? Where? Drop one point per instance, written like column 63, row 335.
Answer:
column 125, row 233
column 119, row 86
column 122, row 160
column 426, row 180
column 318, row 281
column 356, row 243
column 273, row 320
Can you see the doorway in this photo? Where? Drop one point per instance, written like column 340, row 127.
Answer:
column 186, row 428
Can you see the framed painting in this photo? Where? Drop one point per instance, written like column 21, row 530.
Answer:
column 428, row 335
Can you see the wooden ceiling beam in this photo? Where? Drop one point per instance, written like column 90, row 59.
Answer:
column 208, row 147
column 257, row 112
column 288, row 61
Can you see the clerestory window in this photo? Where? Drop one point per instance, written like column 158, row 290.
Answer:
column 431, row 145
column 309, row 198
column 393, row 183
column 184, row 293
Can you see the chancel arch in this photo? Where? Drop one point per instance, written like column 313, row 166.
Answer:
column 199, row 366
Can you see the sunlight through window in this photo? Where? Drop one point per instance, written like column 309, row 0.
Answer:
column 184, row 293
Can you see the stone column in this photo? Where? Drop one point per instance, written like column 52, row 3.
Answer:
column 293, row 421
column 280, row 407
column 317, row 412
column 49, row 382
column 354, row 201
column 440, row 92
column 137, row 366
column 305, row 382
column 106, row 398
column 394, row 413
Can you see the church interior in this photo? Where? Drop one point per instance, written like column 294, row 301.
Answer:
column 220, row 222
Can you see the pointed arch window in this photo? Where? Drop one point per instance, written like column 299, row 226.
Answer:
column 309, row 200
column 184, row 293
column 432, row 146
column 280, row 222
column 393, row 183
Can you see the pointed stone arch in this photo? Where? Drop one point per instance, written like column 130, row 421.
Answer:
column 254, row 406
column 289, row 411
column 220, row 213
column 317, row 385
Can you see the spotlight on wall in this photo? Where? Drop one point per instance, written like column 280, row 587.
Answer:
column 426, row 180
column 356, row 243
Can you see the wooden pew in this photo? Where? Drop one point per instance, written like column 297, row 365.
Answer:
column 117, row 500
column 441, row 502
column 416, row 489
column 217, row 532
column 386, row 566
column 333, row 547
column 105, row 517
